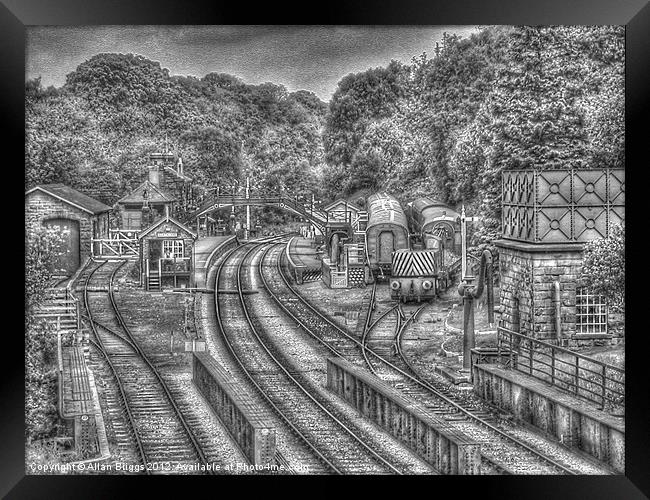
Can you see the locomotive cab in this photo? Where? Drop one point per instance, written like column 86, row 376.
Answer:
column 415, row 274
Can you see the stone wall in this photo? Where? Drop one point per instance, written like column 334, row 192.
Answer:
column 527, row 276
column 575, row 423
column 40, row 206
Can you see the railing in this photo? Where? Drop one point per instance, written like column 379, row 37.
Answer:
column 355, row 253
column 115, row 247
column 582, row 375
column 174, row 265
column 225, row 200
column 124, row 234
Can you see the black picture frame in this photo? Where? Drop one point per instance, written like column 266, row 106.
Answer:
column 635, row 14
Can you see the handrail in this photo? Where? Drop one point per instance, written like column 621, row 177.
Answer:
column 561, row 349
column 318, row 217
column 593, row 382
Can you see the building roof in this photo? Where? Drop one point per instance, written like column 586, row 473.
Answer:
column 341, row 203
column 172, row 170
column 383, row 208
column 72, row 197
column 166, row 220
column 155, row 194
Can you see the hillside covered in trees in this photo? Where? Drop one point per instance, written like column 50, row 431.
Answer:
column 96, row 131
column 446, row 124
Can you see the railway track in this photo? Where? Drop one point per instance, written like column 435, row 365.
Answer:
column 334, row 441
column 504, row 449
column 149, row 427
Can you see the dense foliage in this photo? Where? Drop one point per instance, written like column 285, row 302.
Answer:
column 506, row 97
column 445, row 125
column 95, row 132
column 603, row 268
column 40, row 356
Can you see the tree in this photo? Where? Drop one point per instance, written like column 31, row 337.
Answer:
column 603, row 267
column 531, row 118
column 41, row 249
column 213, row 152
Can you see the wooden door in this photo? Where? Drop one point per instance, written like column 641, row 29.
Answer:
column 386, row 247
column 68, row 260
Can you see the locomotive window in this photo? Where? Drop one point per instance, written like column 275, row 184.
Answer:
column 591, row 312
column 173, row 249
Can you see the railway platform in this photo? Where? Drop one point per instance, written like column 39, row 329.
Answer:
column 79, row 402
column 204, row 249
column 302, row 251
column 304, row 259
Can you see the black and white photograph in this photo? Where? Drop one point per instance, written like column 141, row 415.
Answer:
column 325, row 250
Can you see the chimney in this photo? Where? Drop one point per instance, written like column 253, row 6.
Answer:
column 156, row 174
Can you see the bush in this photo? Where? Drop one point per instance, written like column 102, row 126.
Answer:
column 603, row 268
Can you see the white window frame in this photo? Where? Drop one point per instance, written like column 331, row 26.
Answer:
column 175, row 247
column 591, row 313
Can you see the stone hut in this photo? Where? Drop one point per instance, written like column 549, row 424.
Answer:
column 78, row 217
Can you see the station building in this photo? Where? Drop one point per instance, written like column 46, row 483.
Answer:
column 167, row 173
column 166, row 255
column 79, row 218
column 166, row 190
column 143, row 206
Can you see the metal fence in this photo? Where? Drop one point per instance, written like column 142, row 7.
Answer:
column 582, row 375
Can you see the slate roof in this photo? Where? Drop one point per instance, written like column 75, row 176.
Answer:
column 167, row 220
column 72, row 197
column 155, row 194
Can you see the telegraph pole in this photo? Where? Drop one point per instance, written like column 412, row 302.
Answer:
column 463, row 243
column 248, row 207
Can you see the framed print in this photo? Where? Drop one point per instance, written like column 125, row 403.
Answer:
column 387, row 241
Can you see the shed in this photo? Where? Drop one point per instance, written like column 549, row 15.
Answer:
column 166, row 254
column 78, row 217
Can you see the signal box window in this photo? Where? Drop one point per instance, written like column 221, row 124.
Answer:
column 172, row 249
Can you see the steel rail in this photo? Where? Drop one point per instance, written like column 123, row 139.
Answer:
column 368, row 327
column 399, row 335
column 347, row 429
column 163, row 384
column 240, row 363
column 104, row 352
column 422, row 383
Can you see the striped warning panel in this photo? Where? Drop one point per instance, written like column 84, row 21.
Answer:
column 311, row 275
column 414, row 263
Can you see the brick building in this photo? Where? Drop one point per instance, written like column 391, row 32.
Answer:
column 78, row 217
column 547, row 218
column 165, row 191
